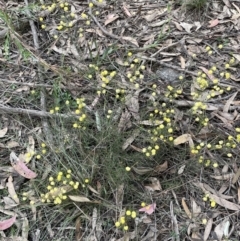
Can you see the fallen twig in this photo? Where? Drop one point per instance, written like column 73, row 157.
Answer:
column 102, row 28
column 34, row 85
column 11, row 110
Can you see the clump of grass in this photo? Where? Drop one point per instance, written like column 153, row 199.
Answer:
column 195, row 4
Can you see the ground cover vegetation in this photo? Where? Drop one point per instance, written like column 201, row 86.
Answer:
column 119, row 120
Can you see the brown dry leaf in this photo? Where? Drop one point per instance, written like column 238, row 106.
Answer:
column 183, row 62
column 224, row 120
column 186, row 209
column 120, row 61
column 150, row 123
column 50, row 231
column 187, row 26
column 150, row 235
column 182, row 139
column 126, row 10
column 131, row 40
column 151, row 15
column 220, row 228
column 119, row 196
column 196, row 209
column 30, row 149
column 47, row 170
column 210, row 76
column 213, row 23
column 101, row 4
column 130, row 139
column 191, row 227
column 150, row 39
column 142, row 170
column 128, row 236
column 206, row 189
column 3, row 132
column 78, row 229
column 60, row 50
column 145, row 219
column 236, row 56
column 178, row 26
column 77, row 198
column 15, row 238
column 94, row 219
column 226, row 176
column 236, row 176
column 239, row 195
column 9, row 203
column 228, row 116
column 154, row 185
column 93, row 190
column 158, row 23
column 224, row 203
column 229, row 102
column 132, row 103
column 125, row 121
column 21, row 89
column 25, row 228
column 111, row 18
column 181, row 169
column 237, row 15
column 12, row 144
column 11, row 190
column 161, row 168
column 208, row 229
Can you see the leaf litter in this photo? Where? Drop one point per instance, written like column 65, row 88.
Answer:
column 138, row 26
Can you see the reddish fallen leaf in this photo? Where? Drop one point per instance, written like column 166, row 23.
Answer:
column 213, row 23
column 20, row 167
column 7, row 223
column 148, row 209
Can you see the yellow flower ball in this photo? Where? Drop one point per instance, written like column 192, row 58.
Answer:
column 128, row 212
column 117, row 224
column 122, row 220
column 143, row 204
column 125, row 228
column 213, row 204
column 133, row 214
column 204, row 221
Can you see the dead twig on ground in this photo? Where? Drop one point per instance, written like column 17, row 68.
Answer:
column 102, row 28
column 34, row 85
column 11, row 110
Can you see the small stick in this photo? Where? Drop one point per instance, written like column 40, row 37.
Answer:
column 29, row 112
column 41, row 85
column 103, row 29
